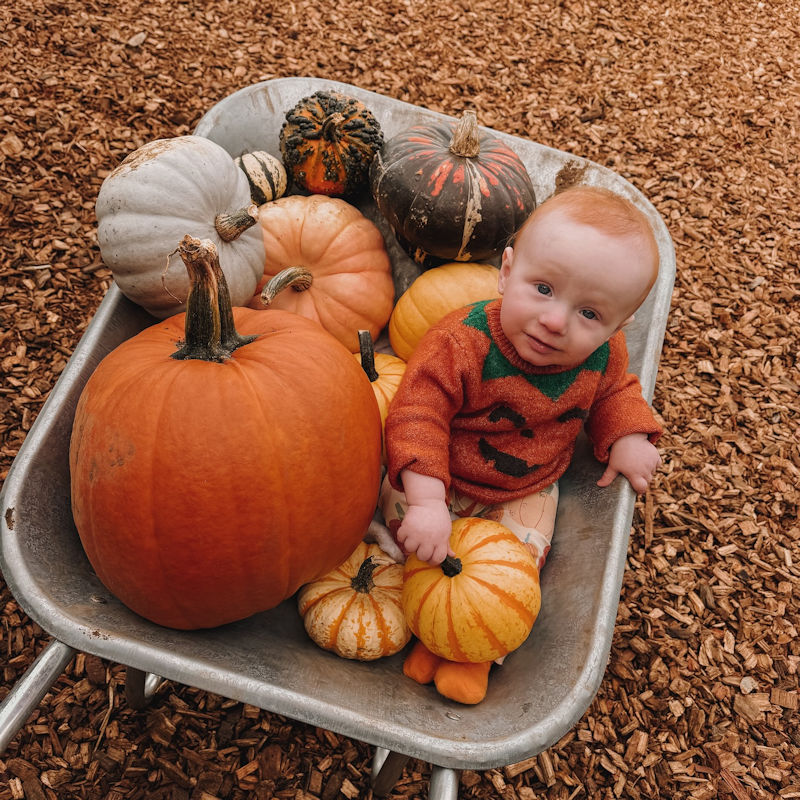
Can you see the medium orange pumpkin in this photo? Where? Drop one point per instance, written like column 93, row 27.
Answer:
column 480, row 605
column 212, row 484
column 333, row 257
column 355, row 610
column 435, row 293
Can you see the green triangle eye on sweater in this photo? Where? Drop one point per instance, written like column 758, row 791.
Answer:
column 552, row 384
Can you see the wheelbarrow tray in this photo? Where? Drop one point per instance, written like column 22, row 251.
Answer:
column 541, row 690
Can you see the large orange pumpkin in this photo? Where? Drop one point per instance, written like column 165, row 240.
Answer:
column 335, row 260
column 212, row 482
column 480, row 605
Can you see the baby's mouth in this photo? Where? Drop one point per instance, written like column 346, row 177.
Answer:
column 540, row 346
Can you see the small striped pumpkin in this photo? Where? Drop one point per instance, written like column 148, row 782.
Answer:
column 355, row 610
column 481, row 604
column 265, row 174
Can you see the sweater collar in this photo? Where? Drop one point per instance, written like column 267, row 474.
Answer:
column 509, row 351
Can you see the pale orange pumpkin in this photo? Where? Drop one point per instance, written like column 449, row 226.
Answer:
column 434, row 294
column 355, row 610
column 384, row 371
column 481, row 604
column 335, row 260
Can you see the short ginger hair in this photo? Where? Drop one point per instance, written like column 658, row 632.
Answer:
column 603, row 210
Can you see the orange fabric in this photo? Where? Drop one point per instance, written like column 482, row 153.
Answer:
column 472, row 413
column 463, row 682
column 420, row 664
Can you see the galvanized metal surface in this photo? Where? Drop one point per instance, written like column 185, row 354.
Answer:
column 542, row 689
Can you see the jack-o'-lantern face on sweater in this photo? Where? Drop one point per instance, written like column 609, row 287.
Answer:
column 567, row 288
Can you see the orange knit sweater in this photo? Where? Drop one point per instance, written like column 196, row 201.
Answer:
column 472, row 413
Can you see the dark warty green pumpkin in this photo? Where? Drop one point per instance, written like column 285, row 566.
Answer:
column 451, row 191
column 328, row 142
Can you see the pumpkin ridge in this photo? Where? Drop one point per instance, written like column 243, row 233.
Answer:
column 507, row 598
column 451, row 636
column 335, row 625
column 486, row 538
column 484, row 627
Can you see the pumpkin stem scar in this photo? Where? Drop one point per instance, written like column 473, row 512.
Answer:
column 209, row 330
column 299, row 278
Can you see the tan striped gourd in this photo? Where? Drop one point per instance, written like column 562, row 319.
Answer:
column 266, row 175
column 355, row 610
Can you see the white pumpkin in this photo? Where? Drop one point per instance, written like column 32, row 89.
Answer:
column 161, row 192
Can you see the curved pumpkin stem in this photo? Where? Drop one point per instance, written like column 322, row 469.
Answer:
column 299, row 278
column 451, row 566
column 231, row 226
column 466, row 141
column 367, row 350
column 330, row 127
column 362, row 581
column 209, row 332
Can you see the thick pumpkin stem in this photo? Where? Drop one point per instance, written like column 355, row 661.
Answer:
column 330, row 126
column 209, row 332
column 466, row 142
column 231, row 226
column 299, row 278
column 451, row 566
column 367, row 350
column 362, row 581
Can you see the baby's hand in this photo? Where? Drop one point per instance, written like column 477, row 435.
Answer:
column 425, row 530
column 634, row 457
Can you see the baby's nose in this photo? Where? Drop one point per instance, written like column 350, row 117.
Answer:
column 555, row 318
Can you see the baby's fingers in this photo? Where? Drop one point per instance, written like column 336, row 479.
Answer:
column 607, row 477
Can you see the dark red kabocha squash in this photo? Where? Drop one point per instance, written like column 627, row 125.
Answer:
column 328, row 142
column 451, row 191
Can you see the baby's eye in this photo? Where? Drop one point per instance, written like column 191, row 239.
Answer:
column 543, row 288
column 588, row 313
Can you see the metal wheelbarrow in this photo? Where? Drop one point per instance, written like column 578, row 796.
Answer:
column 268, row 661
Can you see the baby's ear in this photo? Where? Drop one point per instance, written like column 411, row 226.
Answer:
column 627, row 321
column 505, row 268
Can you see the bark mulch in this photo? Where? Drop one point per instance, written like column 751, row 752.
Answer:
column 696, row 104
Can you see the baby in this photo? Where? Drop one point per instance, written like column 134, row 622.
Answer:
column 494, row 397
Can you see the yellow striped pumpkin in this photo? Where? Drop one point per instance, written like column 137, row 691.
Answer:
column 434, row 294
column 355, row 610
column 480, row 605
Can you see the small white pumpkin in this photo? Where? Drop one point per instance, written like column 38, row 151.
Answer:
column 265, row 174
column 161, row 192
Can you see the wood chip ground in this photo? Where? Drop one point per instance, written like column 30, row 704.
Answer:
column 696, row 104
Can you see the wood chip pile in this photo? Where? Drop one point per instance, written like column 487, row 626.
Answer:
column 696, row 104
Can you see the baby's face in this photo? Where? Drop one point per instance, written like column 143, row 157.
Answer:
column 567, row 288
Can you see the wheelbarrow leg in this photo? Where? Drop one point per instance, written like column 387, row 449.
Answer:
column 140, row 687
column 28, row 691
column 387, row 766
column 444, row 784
